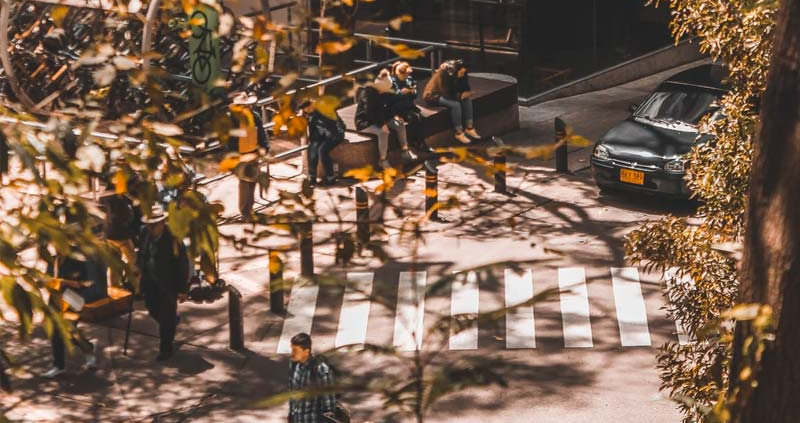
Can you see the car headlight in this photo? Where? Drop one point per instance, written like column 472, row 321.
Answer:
column 601, row 152
column 675, row 166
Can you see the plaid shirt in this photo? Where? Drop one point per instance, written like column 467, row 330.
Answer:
column 309, row 410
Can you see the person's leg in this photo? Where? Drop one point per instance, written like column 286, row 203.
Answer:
column 455, row 113
column 383, row 142
column 399, row 128
column 166, row 325
column 325, row 155
column 86, row 347
column 59, row 350
column 247, row 193
column 313, row 160
column 467, row 112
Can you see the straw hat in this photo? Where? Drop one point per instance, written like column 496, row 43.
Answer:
column 157, row 214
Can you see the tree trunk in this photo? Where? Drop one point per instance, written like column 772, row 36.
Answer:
column 771, row 264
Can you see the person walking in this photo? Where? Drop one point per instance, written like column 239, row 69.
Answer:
column 165, row 272
column 373, row 115
column 324, row 134
column 85, row 279
column 449, row 87
column 308, row 372
column 251, row 142
column 121, row 229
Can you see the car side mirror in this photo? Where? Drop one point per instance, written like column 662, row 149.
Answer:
column 632, row 108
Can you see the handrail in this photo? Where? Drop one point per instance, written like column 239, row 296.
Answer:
column 331, row 80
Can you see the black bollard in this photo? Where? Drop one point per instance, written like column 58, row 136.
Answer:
column 500, row 173
column 306, row 250
column 235, row 319
column 431, row 191
column 362, row 216
column 276, row 283
column 562, row 165
column 3, row 156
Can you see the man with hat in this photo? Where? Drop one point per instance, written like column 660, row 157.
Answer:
column 164, row 270
column 251, row 142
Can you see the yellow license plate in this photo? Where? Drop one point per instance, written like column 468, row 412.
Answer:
column 631, row 176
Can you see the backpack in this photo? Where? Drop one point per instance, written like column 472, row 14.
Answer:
column 340, row 413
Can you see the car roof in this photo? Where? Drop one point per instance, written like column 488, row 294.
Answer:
column 706, row 76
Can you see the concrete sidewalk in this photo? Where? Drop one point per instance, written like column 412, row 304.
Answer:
column 206, row 381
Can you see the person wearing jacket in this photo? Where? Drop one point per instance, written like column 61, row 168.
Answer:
column 373, row 115
column 251, row 142
column 405, row 89
column 164, row 268
column 449, row 87
column 324, row 134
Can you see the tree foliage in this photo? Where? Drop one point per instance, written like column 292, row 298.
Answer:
column 738, row 34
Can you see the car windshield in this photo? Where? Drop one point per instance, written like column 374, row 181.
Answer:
column 678, row 104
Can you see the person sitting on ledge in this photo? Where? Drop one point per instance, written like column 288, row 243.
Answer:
column 449, row 87
column 373, row 115
column 324, row 134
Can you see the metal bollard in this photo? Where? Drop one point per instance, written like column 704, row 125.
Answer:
column 562, row 165
column 235, row 319
column 306, row 250
column 3, row 156
column 276, row 283
column 500, row 173
column 431, row 191
column 362, row 216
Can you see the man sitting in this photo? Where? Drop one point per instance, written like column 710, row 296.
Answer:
column 324, row 133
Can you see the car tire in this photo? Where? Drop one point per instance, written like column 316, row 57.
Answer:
column 606, row 190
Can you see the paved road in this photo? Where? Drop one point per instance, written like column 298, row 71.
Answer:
column 586, row 353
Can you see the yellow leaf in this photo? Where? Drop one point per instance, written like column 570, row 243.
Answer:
column 363, row 174
column 398, row 22
column 229, row 163
column 120, row 182
column 327, row 106
column 58, row 14
column 405, row 52
column 297, row 126
column 578, row 141
column 275, row 264
column 336, row 47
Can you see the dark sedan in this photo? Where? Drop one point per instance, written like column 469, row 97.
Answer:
column 647, row 151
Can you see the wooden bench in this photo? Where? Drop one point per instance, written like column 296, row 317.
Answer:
column 117, row 303
column 496, row 113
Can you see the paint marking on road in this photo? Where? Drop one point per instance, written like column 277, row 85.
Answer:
column 631, row 311
column 408, row 325
column 520, row 328
column 575, row 308
column 353, row 318
column 464, row 299
column 300, row 313
column 671, row 276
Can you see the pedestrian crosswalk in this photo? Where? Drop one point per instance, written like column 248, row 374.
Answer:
column 408, row 324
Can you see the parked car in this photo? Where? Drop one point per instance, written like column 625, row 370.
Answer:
column 647, row 151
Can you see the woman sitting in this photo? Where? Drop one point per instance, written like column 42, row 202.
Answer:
column 405, row 92
column 449, row 87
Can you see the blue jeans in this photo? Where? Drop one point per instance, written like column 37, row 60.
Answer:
column 460, row 111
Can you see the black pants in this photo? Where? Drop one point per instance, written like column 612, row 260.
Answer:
column 164, row 309
column 60, row 350
column 321, row 150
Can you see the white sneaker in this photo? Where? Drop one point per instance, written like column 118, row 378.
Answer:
column 91, row 361
column 410, row 155
column 53, row 373
column 472, row 134
column 385, row 164
column 463, row 138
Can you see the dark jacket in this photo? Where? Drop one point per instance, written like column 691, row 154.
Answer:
column 79, row 270
column 263, row 138
column 443, row 85
column 370, row 108
column 404, row 104
column 322, row 128
column 171, row 265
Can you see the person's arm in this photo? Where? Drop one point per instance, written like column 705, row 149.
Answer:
column 327, row 401
column 263, row 138
column 182, row 284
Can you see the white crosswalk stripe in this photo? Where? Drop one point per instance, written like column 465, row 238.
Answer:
column 464, row 299
column 300, row 314
column 671, row 276
column 631, row 311
column 409, row 323
column 465, row 296
column 575, row 308
column 520, row 329
column 353, row 318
